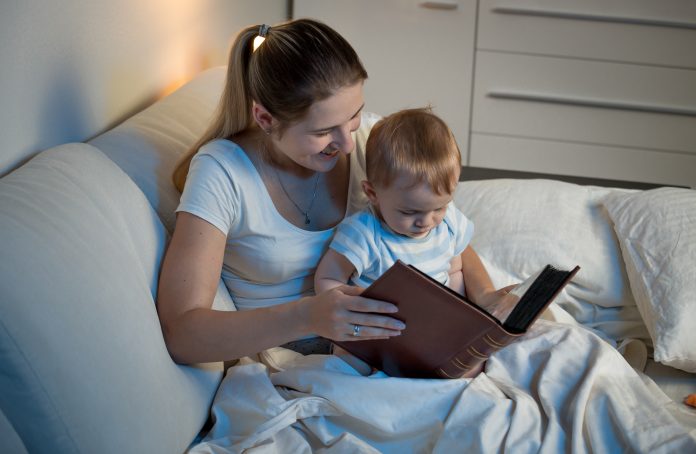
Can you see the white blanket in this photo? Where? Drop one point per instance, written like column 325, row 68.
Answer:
column 558, row 389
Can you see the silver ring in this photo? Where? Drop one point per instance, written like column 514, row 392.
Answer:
column 356, row 330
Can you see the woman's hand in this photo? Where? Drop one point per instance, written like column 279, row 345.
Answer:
column 335, row 313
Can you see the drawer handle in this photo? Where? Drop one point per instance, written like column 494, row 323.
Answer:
column 589, row 102
column 592, row 17
column 445, row 5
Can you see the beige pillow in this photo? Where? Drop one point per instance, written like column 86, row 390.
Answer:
column 148, row 145
column 657, row 233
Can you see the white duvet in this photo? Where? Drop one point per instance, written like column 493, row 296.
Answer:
column 558, row 389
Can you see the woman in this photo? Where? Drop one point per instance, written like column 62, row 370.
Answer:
column 273, row 177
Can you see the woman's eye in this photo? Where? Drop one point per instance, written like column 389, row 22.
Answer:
column 321, row 134
column 356, row 123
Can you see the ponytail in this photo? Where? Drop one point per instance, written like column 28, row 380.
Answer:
column 233, row 114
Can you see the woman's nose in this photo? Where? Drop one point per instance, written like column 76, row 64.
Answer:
column 344, row 140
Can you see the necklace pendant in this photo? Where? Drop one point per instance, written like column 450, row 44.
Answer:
column 307, row 221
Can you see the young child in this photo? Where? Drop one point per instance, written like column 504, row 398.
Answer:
column 413, row 165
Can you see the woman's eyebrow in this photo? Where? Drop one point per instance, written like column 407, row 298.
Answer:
column 332, row 127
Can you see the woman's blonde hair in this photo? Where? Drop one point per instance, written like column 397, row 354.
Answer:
column 416, row 143
column 299, row 63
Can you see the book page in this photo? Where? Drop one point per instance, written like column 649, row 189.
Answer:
column 509, row 301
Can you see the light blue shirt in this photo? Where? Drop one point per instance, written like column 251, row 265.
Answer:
column 373, row 248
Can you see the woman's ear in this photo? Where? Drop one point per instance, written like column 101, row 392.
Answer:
column 262, row 117
column 370, row 192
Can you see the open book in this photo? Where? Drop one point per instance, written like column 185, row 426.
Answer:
column 446, row 335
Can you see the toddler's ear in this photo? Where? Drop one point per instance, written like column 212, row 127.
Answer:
column 369, row 191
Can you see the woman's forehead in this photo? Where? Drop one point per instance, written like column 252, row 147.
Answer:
column 337, row 109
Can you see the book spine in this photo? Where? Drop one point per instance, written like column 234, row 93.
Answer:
column 468, row 362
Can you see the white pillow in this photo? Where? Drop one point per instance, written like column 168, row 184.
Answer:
column 522, row 225
column 657, row 232
column 83, row 364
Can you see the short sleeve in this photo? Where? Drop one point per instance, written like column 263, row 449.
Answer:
column 461, row 228
column 354, row 239
column 358, row 200
column 367, row 121
column 209, row 193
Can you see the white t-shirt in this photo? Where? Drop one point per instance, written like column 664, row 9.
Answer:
column 267, row 259
column 372, row 247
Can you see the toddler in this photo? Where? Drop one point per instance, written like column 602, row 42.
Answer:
column 413, row 165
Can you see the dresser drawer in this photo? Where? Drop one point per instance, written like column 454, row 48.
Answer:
column 642, row 31
column 584, row 101
column 597, row 161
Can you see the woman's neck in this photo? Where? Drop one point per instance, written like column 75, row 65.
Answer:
column 282, row 163
column 259, row 146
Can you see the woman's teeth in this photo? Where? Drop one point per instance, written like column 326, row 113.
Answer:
column 330, row 153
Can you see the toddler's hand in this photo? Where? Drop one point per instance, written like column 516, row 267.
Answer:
column 499, row 303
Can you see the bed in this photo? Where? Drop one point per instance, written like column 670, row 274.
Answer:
column 606, row 369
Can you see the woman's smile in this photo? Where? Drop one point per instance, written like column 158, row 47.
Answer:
column 330, row 152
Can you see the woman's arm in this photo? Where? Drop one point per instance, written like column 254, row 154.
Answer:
column 333, row 271
column 194, row 332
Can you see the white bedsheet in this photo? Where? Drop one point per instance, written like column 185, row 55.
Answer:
column 558, row 389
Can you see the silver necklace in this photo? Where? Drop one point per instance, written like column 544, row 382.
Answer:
column 305, row 213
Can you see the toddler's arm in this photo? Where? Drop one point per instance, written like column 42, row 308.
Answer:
column 333, row 270
column 479, row 287
column 476, row 279
column 456, row 276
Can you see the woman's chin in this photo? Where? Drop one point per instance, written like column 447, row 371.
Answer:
column 325, row 163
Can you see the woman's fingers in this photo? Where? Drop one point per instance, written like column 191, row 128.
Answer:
column 370, row 316
column 356, row 331
column 366, row 332
column 389, row 324
column 338, row 311
column 361, row 304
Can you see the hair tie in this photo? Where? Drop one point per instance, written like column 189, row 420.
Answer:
column 263, row 31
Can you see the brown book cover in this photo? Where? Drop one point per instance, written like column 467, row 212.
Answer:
column 446, row 335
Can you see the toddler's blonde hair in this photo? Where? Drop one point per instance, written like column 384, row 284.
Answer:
column 417, row 143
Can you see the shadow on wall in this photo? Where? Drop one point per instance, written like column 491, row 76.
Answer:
column 67, row 111
column 64, row 116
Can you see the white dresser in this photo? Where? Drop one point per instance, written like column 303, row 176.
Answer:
column 591, row 88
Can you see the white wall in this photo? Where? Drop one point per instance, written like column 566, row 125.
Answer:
column 72, row 68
